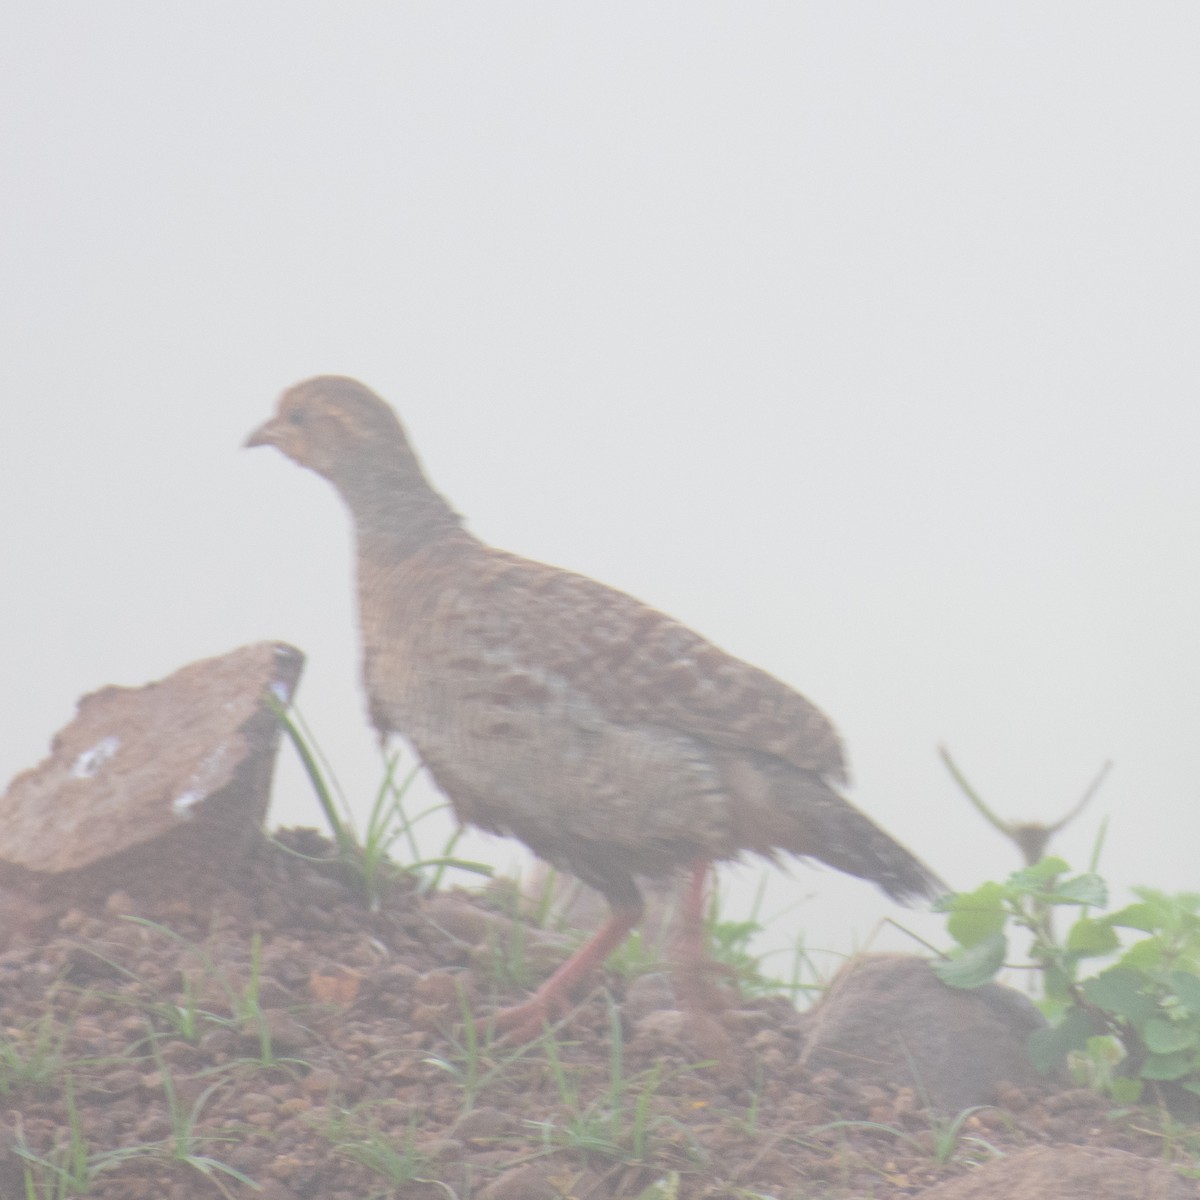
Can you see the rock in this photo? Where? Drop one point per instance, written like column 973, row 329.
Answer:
column 1067, row 1173
column 276, row 1028
column 889, row 1019
column 647, row 994
column 485, row 1125
column 158, row 791
column 533, row 1181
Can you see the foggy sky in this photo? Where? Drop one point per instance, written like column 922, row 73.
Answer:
column 862, row 338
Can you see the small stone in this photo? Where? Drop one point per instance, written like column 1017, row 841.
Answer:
column 529, row 1182
column 285, row 1033
column 320, row 1082
column 439, row 987
column 484, row 1125
column 120, row 904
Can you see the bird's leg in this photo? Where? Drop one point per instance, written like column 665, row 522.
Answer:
column 524, row 1022
column 693, row 947
column 693, row 980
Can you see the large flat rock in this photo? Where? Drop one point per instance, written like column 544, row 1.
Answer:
column 152, row 790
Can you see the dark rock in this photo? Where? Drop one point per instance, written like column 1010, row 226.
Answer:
column 889, row 1019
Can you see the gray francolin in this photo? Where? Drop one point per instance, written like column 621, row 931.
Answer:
column 613, row 741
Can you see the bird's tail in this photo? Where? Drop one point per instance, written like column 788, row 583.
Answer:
column 857, row 845
column 785, row 808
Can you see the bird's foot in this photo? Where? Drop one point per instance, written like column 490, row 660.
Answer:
column 552, row 1000
column 527, row 1022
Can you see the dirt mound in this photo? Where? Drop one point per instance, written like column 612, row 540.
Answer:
column 287, row 1036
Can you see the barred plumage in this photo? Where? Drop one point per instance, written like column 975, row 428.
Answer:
column 612, row 740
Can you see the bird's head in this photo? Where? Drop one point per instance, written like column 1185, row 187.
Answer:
column 333, row 425
column 339, row 428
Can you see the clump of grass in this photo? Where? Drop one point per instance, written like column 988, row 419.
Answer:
column 186, row 1145
column 945, row 1142
column 731, row 944
column 620, row 1124
column 355, row 1135
column 472, row 1060
column 72, row 1168
column 242, row 1008
column 32, row 1056
column 366, row 860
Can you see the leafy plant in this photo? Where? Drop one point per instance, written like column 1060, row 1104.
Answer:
column 1146, row 1003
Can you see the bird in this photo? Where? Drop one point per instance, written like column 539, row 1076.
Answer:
column 614, row 741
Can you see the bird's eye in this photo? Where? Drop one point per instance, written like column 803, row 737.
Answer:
column 296, row 417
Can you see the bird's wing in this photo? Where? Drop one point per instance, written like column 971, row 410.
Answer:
column 635, row 663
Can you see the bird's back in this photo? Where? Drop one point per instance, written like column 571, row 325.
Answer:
column 601, row 732
column 461, row 607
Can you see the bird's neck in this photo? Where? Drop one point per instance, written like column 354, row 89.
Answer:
column 394, row 519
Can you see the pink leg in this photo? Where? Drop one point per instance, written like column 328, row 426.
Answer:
column 552, row 1000
column 692, row 945
column 695, row 969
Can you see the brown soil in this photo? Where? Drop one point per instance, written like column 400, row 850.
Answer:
column 342, row 1055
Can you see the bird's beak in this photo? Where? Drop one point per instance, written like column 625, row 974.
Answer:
column 266, row 434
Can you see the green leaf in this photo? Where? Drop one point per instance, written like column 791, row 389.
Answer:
column 1147, row 955
column 1134, row 916
column 976, row 915
column 1180, row 902
column 1187, row 987
column 1046, row 868
column 976, row 965
column 1167, row 1037
column 1049, row 1045
column 1057, row 980
column 1166, row 1066
column 1121, row 992
column 1127, row 1091
column 1105, row 1049
column 1089, row 936
column 1171, row 913
column 1082, row 889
